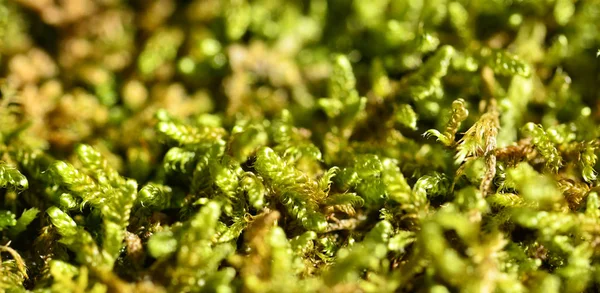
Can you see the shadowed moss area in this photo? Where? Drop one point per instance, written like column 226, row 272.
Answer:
column 299, row 146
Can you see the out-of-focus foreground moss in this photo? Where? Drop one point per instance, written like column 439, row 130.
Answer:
column 299, row 146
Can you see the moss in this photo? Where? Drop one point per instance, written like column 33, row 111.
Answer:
column 299, row 146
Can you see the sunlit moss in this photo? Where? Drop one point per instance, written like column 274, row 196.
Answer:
column 299, row 146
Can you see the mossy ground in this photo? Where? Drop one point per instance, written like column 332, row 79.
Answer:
column 299, row 146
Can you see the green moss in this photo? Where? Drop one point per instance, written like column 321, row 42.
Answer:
column 299, row 146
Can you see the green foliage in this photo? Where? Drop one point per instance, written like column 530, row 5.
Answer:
column 503, row 63
column 533, row 186
column 458, row 115
column 296, row 191
column 155, row 195
column 343, row 107
column 373, row 179
column 77, row 239
column 366, row 255
column 160, row 48
column 237, row 18
column 285, row 146
column 101, row 186
column 197, row 257
column 426, row 83
column 24, row 220
column 7, row 219
column 255, row 190
column 513, row 108
column 245, row 139
column 544, row 145
column 587, row 161
column 185, row 134
column 406, row 116
column 10, row 177
column 162, row 244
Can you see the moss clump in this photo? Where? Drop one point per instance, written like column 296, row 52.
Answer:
column 299, row 146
